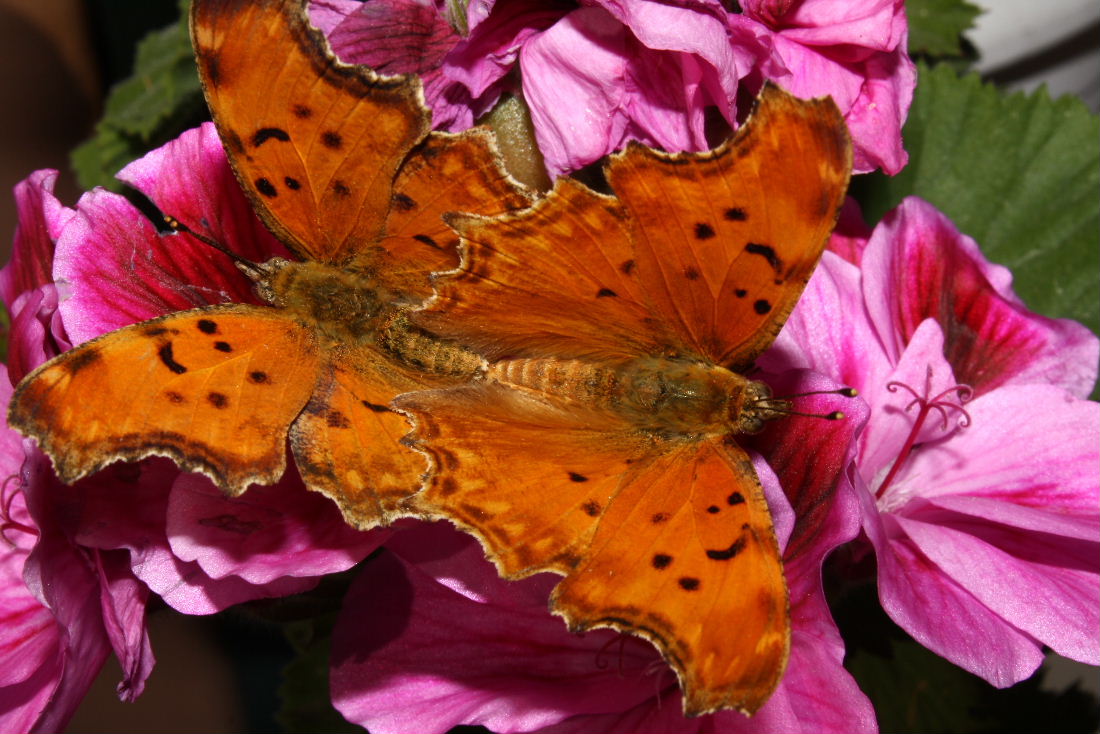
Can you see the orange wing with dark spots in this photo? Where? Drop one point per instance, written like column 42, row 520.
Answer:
column 667, row 538
column 210, row 388
column 568, row 462
column 339, row 163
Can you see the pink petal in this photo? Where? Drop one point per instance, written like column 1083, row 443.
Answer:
column 327, row 14
column 851, row 234
column 918, row 266
column 1013, row 575
column 422, row 657
column 847, row 349
column 394, row 37
column 270, row 532
column 942, row 615
column 894, row 412
column 1046, row 462
column 36, row 333
column 878, row 24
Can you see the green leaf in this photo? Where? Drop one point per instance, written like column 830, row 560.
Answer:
column 161, row 99
column 1019, row 174
column 936, row 27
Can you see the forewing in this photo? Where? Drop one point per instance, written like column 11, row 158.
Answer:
column 726, row 240
column 557, row 279
column 215, row 389
column 314, row 142
column 686, row 556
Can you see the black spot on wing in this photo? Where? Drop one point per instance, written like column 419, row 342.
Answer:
column 606, row 293
column 301, row 112
column 375, row 407
column 266, row 188
column 403, row 202
column 661, row 561
column 427, row 240
column 340, row 188
column 592, row 508
column 218, row 400
column 766, row 252
column 165, row 354
column 264, row 134
column 336, row 419
column 736, row 214
column 292, row 183
column 257, row 377
column 736, row 499
column 713, row 509
column 688, row 583
column 703, row 231
column 175, row 397
column 725, row 554
column 206, row 326
column 79, row 359
column 575, row 477
column 223, row 346
column 659, row 518
column 740, row 292
column 331, row 139
column 691, row 273
column 626, row 267
column 762, row 306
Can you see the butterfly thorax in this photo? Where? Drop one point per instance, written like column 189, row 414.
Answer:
column 339, row 303
column 668, row 395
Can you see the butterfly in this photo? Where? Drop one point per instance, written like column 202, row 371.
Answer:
column 340, row 164
column 601, row 443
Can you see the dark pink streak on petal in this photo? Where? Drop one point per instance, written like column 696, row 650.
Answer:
column 918, row 266
column 809, row 454
column 394, row 37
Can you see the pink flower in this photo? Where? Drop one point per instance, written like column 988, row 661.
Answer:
column 62, row 607
column 199, row 550
column 980, row 501
column 611, row 71
column 855, row 53
column 452, row 643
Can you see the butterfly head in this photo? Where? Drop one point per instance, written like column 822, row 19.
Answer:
column 757, row 408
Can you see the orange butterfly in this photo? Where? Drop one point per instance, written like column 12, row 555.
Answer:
column 339, row 163
column 601, row 444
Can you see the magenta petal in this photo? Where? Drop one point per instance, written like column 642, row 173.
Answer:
column 120, row 271
column 124, row 599
column 36, row 333
column 41, row 217
column 918, row 266
column 269, row 533
column 878, row 24
column 327, row 14
column 919, row 597
column 424, row 657
column 394, row 37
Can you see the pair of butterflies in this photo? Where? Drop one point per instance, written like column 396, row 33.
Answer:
column 573, row 378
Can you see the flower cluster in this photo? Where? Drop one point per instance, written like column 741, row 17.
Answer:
column 966, row 466
column 606, row 72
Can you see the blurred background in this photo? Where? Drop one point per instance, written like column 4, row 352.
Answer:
column 59, row 58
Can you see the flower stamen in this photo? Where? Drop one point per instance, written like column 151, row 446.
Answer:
column 940, row 402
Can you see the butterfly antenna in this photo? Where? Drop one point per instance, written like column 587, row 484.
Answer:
column 780, row 404
column 243, row 263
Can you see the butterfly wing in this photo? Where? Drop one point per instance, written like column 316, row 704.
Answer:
column 446, row 173
column 315, row 143
column 725, row 241
column 557, row 279
column 211, row 388
column 347, row 441
column 669, row 539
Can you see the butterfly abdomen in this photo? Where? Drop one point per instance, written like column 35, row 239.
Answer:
column 424, row 352
column 673, row 396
